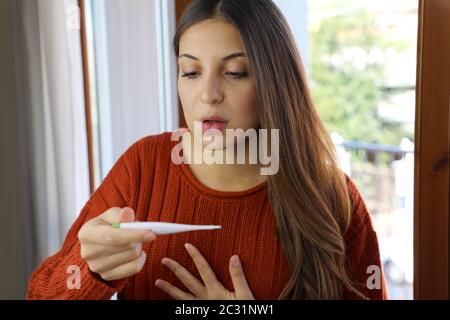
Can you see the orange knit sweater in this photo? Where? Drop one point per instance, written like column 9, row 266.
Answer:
column 146, row 179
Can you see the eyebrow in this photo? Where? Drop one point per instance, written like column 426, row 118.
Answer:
column 227, row 58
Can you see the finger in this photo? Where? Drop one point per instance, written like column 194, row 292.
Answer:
column 125, row 270
column 173, row 291
column 126, row 215
column 207, row 274
column 239, row 280
column 93, row 251
column 110, row 262
column 191, row 282
column 108, row 235
column 112, row 215
column 117, row 215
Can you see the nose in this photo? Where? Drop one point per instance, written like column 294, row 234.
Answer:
column 212, row 93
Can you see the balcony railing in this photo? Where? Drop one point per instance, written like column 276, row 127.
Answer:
column 384, row 175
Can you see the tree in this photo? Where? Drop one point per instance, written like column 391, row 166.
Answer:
column 348, row 77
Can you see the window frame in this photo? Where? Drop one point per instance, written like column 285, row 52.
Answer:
column 432, row 154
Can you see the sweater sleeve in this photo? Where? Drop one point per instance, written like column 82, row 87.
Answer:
column 51, row 280
column 362, row 250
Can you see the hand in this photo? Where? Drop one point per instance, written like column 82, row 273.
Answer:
column 212, row 289
column 113, row 253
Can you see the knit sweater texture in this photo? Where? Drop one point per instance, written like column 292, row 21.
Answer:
column 146, row 180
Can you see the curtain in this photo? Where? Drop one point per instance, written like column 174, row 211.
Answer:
column 54, row 181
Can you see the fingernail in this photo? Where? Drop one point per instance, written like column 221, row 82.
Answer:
column 187, row 246
column 148, row 237
column 236, row 262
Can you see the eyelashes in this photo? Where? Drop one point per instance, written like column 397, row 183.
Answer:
column 190, row 75
column 233, row 75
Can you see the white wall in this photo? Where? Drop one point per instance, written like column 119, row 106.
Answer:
column 11, row 269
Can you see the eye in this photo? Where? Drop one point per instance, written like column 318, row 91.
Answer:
column 237, row 75
column 234, row 75
column 190, row 75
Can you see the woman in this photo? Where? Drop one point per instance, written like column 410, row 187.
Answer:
column 301, row 233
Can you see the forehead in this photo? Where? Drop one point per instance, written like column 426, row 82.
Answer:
column 210, row 38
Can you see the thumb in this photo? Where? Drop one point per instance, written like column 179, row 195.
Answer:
column 126, row 215
column 117, row 215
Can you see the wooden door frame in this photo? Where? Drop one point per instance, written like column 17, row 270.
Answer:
column 432, row 152
column 87, row 95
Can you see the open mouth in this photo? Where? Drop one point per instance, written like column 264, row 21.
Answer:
column 213, row 119
column 214, row 123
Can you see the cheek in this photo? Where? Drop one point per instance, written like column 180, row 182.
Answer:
column 246, row 109
column 186, row 98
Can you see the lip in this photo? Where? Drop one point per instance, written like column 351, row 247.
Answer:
column 220, row 125
column 214, row 118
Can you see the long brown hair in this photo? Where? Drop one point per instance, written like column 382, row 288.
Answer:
column 309, row 193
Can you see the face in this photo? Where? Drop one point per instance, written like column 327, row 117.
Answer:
column 214, row 79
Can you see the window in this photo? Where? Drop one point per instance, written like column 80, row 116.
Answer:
column 132, row 75
column 361, row 60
